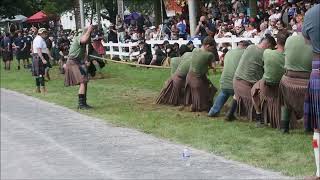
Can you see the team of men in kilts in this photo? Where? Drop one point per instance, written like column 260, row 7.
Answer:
column 276, row 82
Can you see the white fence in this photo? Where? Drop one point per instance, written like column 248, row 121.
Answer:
column 122, row 49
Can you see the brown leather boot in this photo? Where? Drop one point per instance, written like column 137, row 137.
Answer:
column 37, row 90
column 43, row 90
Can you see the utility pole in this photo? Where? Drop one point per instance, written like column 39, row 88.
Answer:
column 253, row 8
column 81, row 14
column 192, row 5
column 98, row 8
column 157, row 11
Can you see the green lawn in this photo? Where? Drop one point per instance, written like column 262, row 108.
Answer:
column 125, row 98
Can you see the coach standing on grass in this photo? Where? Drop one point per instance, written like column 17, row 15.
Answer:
column 40, row 55
column 76, row 72
column 311, row 32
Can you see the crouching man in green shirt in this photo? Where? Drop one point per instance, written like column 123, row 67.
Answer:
column 76, row 72
column 231, row 62
column 249, row 71
column 199, row 90
column 173, row 93
column 294, row 83
column 265, row 96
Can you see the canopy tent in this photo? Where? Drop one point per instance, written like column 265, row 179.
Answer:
column 38, row 17
column 17, row 18
column 132, row 16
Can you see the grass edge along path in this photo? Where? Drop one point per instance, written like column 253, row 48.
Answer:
column 125, row 98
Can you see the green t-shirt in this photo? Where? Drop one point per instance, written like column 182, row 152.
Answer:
column 201, row 59
column 298, row 55
column 76, row 49
column 174, row 63
column 231, row 62
column 184, row 66
column 251, row 65
column 273, row 66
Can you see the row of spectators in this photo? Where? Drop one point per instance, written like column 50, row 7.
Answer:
column 219, row 19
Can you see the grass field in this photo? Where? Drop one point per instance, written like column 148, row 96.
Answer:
column 125, row 98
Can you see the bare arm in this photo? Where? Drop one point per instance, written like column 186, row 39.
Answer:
column 85, row 37
column 49, row 54
column 24, row 46
column 198, row 28
column 39, row 51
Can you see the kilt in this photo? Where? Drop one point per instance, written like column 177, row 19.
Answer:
column 75, row 73
column 199, row 92
column 21, row 54
column 26, row 53
column 312, row 99
column 98, row 47
column 293, row 87
column 7, row 56
column 173, row 91
column 266, row 96
column 242, row 91
column 38, row 68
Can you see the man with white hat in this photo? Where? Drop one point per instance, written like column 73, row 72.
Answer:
column 40, row 55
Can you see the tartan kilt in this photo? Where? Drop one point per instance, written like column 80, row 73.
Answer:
column 7, row 56
column 75, row 73
column 19, row 54
column 312, row 99
column 38, row 68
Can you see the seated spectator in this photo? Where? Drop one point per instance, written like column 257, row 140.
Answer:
column 154, row 33
column 238, row 30
column 145, row 55
column 280, row 27
column 174, row 32
column 264, row 30
column 158, row 56
column 182, row 27
column 250, row 31
column 299, row 19
column 112, row 35
column 204, row 28
column 134, row 54
column 190, row 45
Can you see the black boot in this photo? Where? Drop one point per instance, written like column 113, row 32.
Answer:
column 284, row 126
column 82, row 104
column 285, row 119
column 259, row 121
column 230, row 115
column 85, row 102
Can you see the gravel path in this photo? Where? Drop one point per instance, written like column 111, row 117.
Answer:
column 40, row 140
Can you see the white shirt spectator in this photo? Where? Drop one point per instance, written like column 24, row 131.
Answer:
column 237, row 23
column 249, row 33
column 39, row 42
column 277, row 16
column 273, row 17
